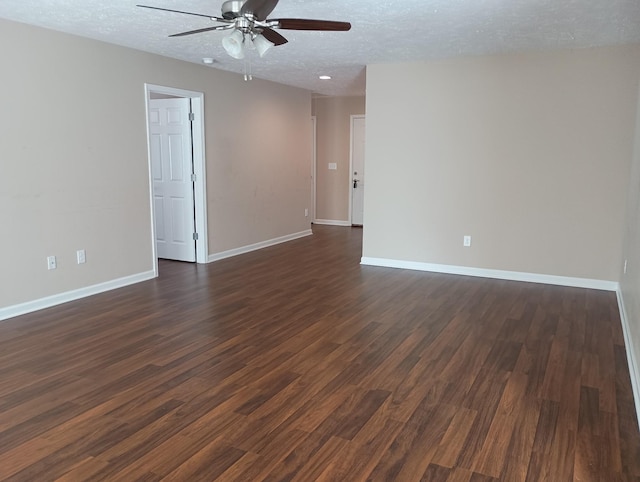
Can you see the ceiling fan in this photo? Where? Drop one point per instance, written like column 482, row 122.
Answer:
column 251, row 27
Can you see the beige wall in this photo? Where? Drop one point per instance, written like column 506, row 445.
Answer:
column 333, row 134
column 74, row 169
column 630, row 281
column 528, row 154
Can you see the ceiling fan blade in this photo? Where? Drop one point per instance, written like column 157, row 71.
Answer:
column 306, row 24
column 259, row 8
column 200, row 30
column 186, row 13
column 273, row 36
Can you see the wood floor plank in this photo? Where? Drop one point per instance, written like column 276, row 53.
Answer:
column 323, row 459
column 570, row 397
column 84, row 470
column 161, row 460
column 588, row 458
column 423, row 432
column 22, row 456
column 435, row 473
column 492, row 455
column 362, row 454
column 553, row 448
column 518, row 455
column 553, row 383
column 207, row 464
column 484, row 397
column 293, row 463
column 282, row 444
column 353, row 413
column 296, row 362
column 454, row 438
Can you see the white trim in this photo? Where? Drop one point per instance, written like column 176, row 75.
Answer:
column 494, row 273
column 154, row 249
column 632, row 361
column 331, row 222
column 254, row 247
column 49, row 301
column 200, row 170
column 199, row 167
column 314, row 168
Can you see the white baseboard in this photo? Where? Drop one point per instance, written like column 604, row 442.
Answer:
column 632, row 361
column 49, row 301
column 254, row 247
column 331, row 222
column 494, row 273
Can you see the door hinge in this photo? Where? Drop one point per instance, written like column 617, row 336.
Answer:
column 193, row 178
column 195, row 236
column 192, row 116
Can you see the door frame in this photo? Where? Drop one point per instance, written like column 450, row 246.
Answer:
column 351, row 120
column 199, row 168
column 314, row 167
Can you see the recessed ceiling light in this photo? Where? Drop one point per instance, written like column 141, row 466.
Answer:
column 207, row 60
column 325, row 77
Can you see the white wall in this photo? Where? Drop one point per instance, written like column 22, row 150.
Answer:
column 630, row 281
column 529, row 154
column 74, row 169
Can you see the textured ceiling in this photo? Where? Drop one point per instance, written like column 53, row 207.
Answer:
column 383, row 31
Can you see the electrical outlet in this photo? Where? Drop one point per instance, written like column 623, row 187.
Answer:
column 466, row 241
column 51, row 262
column 306, row 213
column 81, row 256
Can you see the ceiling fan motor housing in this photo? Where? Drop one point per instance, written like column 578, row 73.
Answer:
column 231, row 9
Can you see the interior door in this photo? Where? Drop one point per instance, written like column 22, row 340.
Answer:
column 357, row 166
column 172, row 168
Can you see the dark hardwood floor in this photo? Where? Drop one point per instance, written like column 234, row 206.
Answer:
column 296, row 363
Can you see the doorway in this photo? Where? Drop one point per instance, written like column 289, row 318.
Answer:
column 356, row 167
column 190, row 227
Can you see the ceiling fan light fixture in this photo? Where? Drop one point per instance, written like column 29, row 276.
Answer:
column 234, row 44
column 262, row 44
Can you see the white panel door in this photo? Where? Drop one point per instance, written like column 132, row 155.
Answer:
column 357, row 165
column 171, row 167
